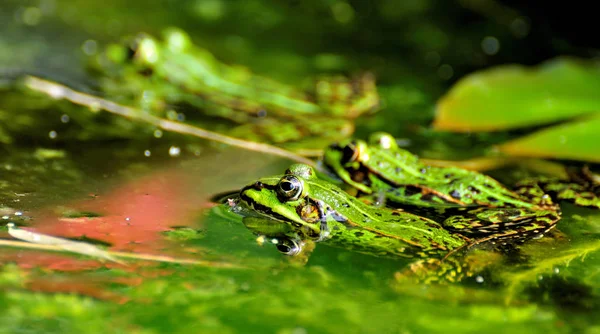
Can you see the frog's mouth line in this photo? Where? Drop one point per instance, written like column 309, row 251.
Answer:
column 261, row 209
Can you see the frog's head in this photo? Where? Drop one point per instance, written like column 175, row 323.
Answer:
column 286, row 200
column 345, row 159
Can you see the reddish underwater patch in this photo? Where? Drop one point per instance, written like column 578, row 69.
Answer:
column 132, row 218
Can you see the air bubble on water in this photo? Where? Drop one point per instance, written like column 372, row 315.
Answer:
column 479, row 279
column 490, row 45
column 52, row 134
column 540, row 277
column 147, row 153
column 556, row 270
column 158, row 133
column 172, row 115
column 274, row 241
column 174, row 151
column 520, row 27
column 18, row 213
column 89, row 47
column 5, row 217
column 127, row 218
column 65, row 118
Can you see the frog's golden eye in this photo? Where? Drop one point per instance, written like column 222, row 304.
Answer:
column 289, row 188
column 288, row 246
column 350, row 152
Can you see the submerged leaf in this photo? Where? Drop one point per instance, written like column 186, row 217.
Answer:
column 515, row 96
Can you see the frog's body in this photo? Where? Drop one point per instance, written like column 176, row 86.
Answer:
column 301, row 206
column 381, row 166
column 176, row 72
column 582, row 187
column 469, row 200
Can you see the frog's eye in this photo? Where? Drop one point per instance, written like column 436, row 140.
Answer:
column 290, row 188
column 289, row 246
column 350, row 152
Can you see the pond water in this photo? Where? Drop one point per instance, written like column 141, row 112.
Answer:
column 160, row 207
column 127, row 188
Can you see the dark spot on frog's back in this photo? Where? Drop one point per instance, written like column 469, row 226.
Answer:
column 455, row 194
column 412, row 190
column 428, row 197
column 432, row 225
column 449, row 175
column 473, row 190
column 492, row 199
column 359, row 233
column 487, row 185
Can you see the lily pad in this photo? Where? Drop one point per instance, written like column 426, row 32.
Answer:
column 574, row 140
column 514, row 96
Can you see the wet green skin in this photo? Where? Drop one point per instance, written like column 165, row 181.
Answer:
column 174, row 71
column 582, row 188
column 301, row 206
column 381, row 168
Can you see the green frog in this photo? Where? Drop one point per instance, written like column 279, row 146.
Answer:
column 464, row 199
column 173, row 72
column 381, row 167
column 299, row 206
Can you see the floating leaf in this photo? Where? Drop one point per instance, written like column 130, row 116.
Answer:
column 575, row 140
column 515, row 96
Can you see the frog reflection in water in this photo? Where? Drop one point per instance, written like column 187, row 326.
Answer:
column 175, row 73
column 299, row 206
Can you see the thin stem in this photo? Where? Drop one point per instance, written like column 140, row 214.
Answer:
column 59, row 91
column 148, row 257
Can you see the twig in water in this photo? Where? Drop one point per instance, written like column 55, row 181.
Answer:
column 58, row 91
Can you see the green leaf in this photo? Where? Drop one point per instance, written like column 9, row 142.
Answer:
column 514, row 96
column 575, row 140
